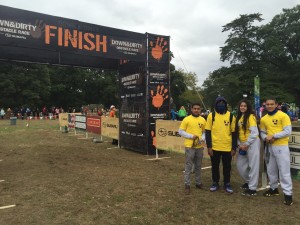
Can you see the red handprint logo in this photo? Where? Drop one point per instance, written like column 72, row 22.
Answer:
column 160, row 97
column 154, row 143
column 159, row 48
column 39, row 29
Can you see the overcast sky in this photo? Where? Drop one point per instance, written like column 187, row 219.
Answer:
column 195, row 26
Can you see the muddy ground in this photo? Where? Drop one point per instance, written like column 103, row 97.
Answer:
column 57, row 178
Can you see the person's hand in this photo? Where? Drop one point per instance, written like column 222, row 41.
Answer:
column 244, row 147
column 270, row 139
column 210, row 151
column 195, row 137
column 233, row 152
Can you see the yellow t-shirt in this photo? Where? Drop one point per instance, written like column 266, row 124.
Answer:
column 195, row 126
column 221, row 131
column 275, row 124
column 243, row 136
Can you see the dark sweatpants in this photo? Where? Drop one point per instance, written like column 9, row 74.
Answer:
column 215, row 163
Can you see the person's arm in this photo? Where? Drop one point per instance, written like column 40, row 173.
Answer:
column 287, row 130
column 253, row 135
column 184, row 134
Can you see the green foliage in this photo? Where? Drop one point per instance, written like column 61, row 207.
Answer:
column 271, row 51
column 23, row 84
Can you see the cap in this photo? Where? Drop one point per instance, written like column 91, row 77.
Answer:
column 112, row 106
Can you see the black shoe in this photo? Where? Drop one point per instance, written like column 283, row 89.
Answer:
column 199, row 186
column 288, row 200
column 271, row 192
column 187, row 189
column 244, row 186
column 249, row 192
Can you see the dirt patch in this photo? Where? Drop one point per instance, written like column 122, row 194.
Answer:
column 56, row 178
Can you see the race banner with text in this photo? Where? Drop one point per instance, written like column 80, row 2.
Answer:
column 93, row 124
column 36, row 37
column 132, row 114
column 158, row 87
column 110, row 127
column 80, row 122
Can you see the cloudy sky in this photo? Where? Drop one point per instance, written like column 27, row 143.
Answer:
column 195, row 26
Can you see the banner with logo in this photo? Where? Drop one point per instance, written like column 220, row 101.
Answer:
column 36, row 37
column 63, row 119
column 256, row 95
column 110, row 127
column 167, row 136
column 93, row 124
column 71, row 119
column 80, row 122
column 132, row 114
column 294, row 145
column 158, row 87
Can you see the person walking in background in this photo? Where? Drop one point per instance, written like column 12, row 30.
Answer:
column 221, row 142
column 192, row 128
column 2, row 113
column 182, row 113
column 275, row 129
column 112, row 113
column 249, row 147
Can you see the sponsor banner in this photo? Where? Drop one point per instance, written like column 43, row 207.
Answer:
column 80, row 122
column 36, row 37
column 71, row 119
column 110, row 127
column 257, row 95
column 295, row 160
column 132, row 77
column 159, row 77
column 133, row 119
column 63, row 119
column 168, row 138
column 93, row 124
column 294, row 140
column 158, row 86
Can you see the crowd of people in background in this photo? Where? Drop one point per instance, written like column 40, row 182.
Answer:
column 53, row 112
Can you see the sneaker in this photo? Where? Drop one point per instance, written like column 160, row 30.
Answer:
column 199, row 186
column 271, row 192
column 249, row 192
column 187, row 189
column 288, row 200
column 214, row 187
column 228, row 188
column 244, row 186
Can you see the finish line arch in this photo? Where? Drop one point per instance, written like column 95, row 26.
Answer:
column 143, row 62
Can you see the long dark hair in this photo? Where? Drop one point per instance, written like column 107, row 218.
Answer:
column 246, row 115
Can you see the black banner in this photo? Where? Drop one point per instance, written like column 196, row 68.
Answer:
column 36, row 37
column 158, row 83
column 133, row 119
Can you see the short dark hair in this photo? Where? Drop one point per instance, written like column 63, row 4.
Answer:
column 271, row 98
column 195, row 104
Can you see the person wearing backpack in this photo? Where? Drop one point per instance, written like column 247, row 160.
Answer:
column 221, row 142
column 249, row 147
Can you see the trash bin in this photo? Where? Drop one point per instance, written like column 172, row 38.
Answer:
column 13, row 120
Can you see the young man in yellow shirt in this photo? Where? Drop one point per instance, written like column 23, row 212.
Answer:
column 221, row 143
column 192, row 129
column 275, row 129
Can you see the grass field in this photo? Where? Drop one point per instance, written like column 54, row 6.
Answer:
column 56, row 178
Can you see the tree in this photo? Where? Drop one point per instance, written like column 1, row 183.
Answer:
column 23, row 84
